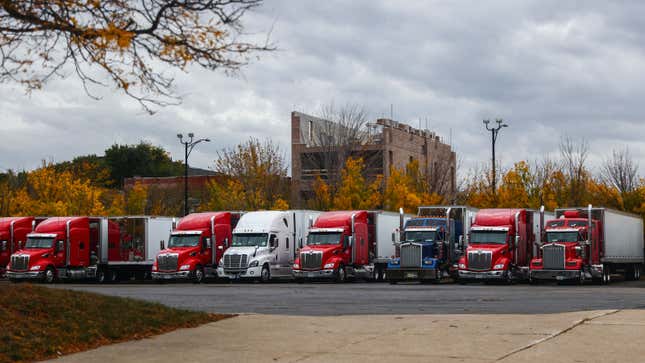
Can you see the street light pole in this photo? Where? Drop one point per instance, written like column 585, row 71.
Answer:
column 189, row 145
column 493, row 134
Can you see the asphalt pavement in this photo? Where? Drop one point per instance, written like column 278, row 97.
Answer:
column 327, row 299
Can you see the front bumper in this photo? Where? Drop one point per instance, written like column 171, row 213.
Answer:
column 180, row 275
column 559, row 275
column 316, row 274
column 248, row 273
column 26, row 275
column 481, row 275
column 402, row 274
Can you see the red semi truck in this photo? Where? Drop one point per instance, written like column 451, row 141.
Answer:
column 13, row 233
column 589, row 244
column 500, row 245
column 347, row 243
column 104, row 249
column 195, row 246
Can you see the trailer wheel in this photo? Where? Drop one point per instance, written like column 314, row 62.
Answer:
column 198, row 275
column 265, row 275
column 638, row 272
column 50, row 276
column 341, row 274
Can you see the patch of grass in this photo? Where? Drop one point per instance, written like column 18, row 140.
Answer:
column 38, row 322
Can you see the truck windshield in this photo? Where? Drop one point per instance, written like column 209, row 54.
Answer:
column 492, row 237
column 323, row 238
column 420, row 236
column 562, row 237
column 183, row 240
column 249, row 240
column 39, row 242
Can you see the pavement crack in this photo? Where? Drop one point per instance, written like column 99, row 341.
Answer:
column 556, row 334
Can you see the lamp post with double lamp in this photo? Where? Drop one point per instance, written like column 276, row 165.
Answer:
column 189, row 145
column 493, row 133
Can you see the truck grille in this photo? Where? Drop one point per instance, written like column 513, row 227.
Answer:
column 235, row 262
column 19, row 262
column 311, row 260
column 479, row 260
column 553, row 257
column 410, row 255
column 167, row 262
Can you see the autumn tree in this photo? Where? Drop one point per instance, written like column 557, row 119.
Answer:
column 126, row 44
column 354, row 192
column 256, row 175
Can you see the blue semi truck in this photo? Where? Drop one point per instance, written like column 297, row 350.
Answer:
column 430, row 244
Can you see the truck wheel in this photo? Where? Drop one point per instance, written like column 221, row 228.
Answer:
column 49, row 276
column 112, row 276
column 198, row 275
column 508, row 277
column 265, row 275
column 100, row 276
column 638, row 272
column 437, row 277
column 340, row 274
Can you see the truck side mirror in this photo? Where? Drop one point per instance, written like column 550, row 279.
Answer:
column 59, row 246
column 460, row 242
column 3, row 247
column 226, row 241
column 209, row 243
column 161, row 245
column 19, row 245
column 350, row 241
column 273, row 243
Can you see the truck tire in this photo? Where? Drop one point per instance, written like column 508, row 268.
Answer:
column 265, row 275
column 508, row 277
column 49, row 276
column 638, row 272
column 341, row 274
column 198, row 275
column 100, row 276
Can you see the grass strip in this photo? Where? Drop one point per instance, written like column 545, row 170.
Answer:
column 38, row 323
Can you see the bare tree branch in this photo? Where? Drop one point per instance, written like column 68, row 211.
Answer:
column 128, row 42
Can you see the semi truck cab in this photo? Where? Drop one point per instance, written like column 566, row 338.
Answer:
column 13, row 234
column 566, row 246
column 423, row 251
column 195, row 246
column 488, row 253
column 336, row 244
column 264, row 245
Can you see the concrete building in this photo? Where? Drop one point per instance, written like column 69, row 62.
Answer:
column 317, row 143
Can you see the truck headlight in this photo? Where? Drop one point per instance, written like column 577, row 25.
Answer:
column 34, row 268
column 154, row 267
column 254, row 263
column 329, row 265
column 499, row 266
column 184, row 267
column 296, row 266
column 462, row 265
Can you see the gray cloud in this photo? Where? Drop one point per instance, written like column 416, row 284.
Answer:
column 549, row 68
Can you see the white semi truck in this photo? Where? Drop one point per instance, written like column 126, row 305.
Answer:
column 265, row 244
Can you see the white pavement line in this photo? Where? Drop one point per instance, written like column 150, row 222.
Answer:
column 556, row 334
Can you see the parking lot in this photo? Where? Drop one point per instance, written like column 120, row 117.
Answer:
column 326, row 299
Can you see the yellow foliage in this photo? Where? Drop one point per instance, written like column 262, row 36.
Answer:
column 280, row 204
column 137, row 200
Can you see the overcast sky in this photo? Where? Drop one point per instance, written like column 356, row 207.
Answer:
column 548, row 68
